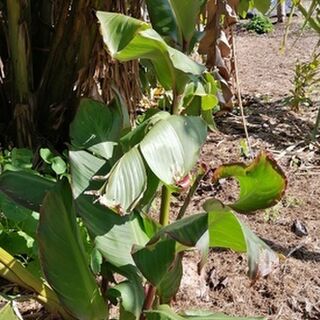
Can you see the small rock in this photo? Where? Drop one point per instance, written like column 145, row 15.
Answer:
column 299, row 229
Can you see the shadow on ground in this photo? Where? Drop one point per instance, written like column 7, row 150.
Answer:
column 272, row 122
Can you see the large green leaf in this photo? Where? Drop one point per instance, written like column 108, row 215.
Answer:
column 170, row 283
column 226, row 230
column 136, row 135
column 175, row 18
column 96, row 127
column 128, row 39
column 126, row 183
column 186, row 13
column 155, row 260
column 7, row 313
column 63, row 257
column 130, row 295
column 186, row 231
column 161, row 265
column 164, row 312
column 116, row 244
column 262, row 183
column 163, row 19
column 25, row 188
column 171, row 148
column 84, row 166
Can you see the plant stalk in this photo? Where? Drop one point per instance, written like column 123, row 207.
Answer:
column 164, row 220
column 175, row 102
column 165, row 206
column 190, row 194
column 18, row 12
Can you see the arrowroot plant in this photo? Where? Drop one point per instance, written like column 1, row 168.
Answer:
column 95, row 224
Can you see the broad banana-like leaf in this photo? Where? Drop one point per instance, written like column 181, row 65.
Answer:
column 128, row 39
column 170, row 284
column 150, row 193
column 84, row 166
column 12, row 270
column 96, row 127
column 186, row 231
column 226, row 230
column 115, row 234
column 171, row 148
column 7, row 313
column 116, row 244
column 167, row 275
column 130, row 295
column 164, row 312
column 175, row 18
column 136, row 135
column 155, row 260
column 262, row 183
column 63, row 257
column 126, row 183
column 186, row 13
column 163, row 20
column 25, row 188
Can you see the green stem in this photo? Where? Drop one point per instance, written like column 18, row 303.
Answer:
column 175, row 102
column 190, row 194
column 164, row 220
column 165, row 205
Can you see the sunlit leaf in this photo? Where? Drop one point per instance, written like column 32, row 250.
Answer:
column 226, row 230
column 7, row 313
column 186, row 13
column 172, row 147
column 12, row 270
column 262, row 183
column 127, row 39
column 83, row 167
column 116, row 244
column 126, row 183
column 163, row 19
column 186, row 231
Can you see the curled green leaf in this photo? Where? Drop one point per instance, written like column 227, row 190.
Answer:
column 262, row 183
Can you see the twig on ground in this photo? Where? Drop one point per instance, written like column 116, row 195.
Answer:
column 236, row 75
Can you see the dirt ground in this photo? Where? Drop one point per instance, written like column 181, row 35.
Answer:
column 292, row 291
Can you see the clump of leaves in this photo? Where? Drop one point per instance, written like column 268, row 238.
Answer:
column 260, row 24
column 306, row 79
column 116, row 172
